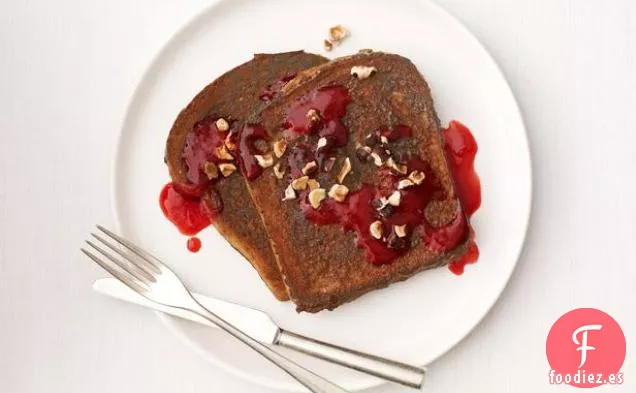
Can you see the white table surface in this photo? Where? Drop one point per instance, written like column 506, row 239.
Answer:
column 67, row 71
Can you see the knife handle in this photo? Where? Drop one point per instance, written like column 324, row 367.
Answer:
column 390, row 370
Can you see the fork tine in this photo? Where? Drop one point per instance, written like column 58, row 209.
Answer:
column 119, row 263
column 141, row 268
column 152, row 262
column 121, row 276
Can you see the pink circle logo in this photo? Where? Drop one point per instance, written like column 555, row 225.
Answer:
column 586, row 348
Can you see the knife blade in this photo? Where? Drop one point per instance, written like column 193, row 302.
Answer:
column 251, row 321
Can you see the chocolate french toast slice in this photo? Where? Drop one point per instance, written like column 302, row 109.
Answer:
column 204, row 147
column 362, row 196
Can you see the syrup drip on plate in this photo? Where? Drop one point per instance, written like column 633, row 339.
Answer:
column 461, row 148
column 186, row 212
column 194, row 244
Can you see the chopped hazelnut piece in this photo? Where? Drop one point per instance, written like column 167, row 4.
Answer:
column 417, row 177
column 278, row 171
column 400, row 230
column 395, row 198
column 322, row 142
column 400, row 168
column 231, row 146
column 384, row 140
column 338, row 192
column 328, row 45
column 289, row 193
column 279, row 147
column 376, row 229
column 227, row 169
column 337, row 33
column 310, row 168
column 223, row 154
column 222, row 125
column 229, row 143
column 344, row 171
column 300, row 183
column 211, row 170
column 404, row 183
column 265, row 161
column 316, row 196
column 377, row 160
column 313, row 116
column 313, row 184
column 362, row 72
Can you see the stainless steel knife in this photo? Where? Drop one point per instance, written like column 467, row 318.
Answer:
column 262, row 328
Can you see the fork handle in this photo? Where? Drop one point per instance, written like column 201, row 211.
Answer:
column 401, row 373
column 310, row 380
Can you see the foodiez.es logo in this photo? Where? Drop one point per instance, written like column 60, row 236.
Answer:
column 586, row 348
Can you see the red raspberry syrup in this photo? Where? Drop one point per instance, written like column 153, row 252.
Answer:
column 194, row 244
column 250, row 133
column 461, row 148
column 360, row 209
column 192, row 206
column 184, row 211
column 358, row 212
column 330, row 105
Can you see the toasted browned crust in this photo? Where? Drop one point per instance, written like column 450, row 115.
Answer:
column 234, row 95
column 321, row 265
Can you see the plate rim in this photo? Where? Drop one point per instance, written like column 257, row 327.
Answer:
column 169, row 321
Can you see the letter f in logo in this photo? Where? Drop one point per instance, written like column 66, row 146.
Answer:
column 584, row 347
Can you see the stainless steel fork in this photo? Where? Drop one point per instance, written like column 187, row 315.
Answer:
column 152, row 279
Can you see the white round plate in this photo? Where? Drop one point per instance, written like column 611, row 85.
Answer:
column 416, row 321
